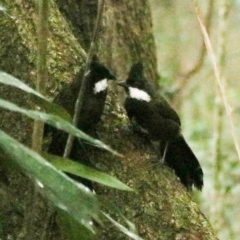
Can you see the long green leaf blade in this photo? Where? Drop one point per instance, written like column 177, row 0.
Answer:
column 81, row 170
column 57, row 122
column 12, row 81
column 51, row 108
column 37, row 98
column 122, row 228
column 68, row 195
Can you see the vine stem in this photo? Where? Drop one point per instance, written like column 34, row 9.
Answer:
column 79, row 102
column 220, row 84
column 37, row 135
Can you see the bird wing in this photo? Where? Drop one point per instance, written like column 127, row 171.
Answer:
column 155, row 118
column 163, row 108
column 164, row 122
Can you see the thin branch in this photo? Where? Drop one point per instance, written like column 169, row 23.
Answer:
column 197, row 66
column 79, row 102
column 223, row 13
column 37, row 134
column 185, row 77
column 218, row 79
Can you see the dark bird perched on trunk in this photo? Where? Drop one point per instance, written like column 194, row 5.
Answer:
column 159, row 120
column 93, row 105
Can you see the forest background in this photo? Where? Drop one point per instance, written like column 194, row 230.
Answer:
column 186, row 68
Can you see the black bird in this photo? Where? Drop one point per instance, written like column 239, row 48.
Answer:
column 93, row 105
column 162, row 124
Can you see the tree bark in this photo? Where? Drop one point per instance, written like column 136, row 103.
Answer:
column 161, row 208
column 125, row 35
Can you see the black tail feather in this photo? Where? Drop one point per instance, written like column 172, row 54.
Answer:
column 182, row 160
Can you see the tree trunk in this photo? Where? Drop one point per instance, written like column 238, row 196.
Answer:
column 161, row 208
column 125, row 35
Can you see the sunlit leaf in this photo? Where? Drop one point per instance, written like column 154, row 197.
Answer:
column 122, row 228
column 81, row 170
column 71, row 229
column 111, row 207
column 12, row 81
column 57, row 122
column 65, row 193
column 37, row 98
column 4, row 10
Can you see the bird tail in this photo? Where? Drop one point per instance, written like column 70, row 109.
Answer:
column 182, row 160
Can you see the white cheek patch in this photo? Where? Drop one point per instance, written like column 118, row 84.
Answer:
column 100, row 86
column 139, row 94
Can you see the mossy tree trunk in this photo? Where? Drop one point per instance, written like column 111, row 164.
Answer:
column 161, row 208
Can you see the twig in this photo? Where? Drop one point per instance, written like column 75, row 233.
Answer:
column 221, row 54
column 185, row 77
column 223, row 11
column 200, row 60
column 218, row 79
column 79, row 102
column 37, row 135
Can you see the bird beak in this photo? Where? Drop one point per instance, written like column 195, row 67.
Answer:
column 122, row 84
column 111, row 77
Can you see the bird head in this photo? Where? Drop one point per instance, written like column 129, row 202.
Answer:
column 136, row 85
column 99, row 75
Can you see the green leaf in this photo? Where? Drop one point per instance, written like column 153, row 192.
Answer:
column 12, row 81
column 123, row 229
column 81, row 170
column 51, row 108
column 113, row 209
column 65, row 193
column 71, row 229
column 57, row 122
column 37, row 98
